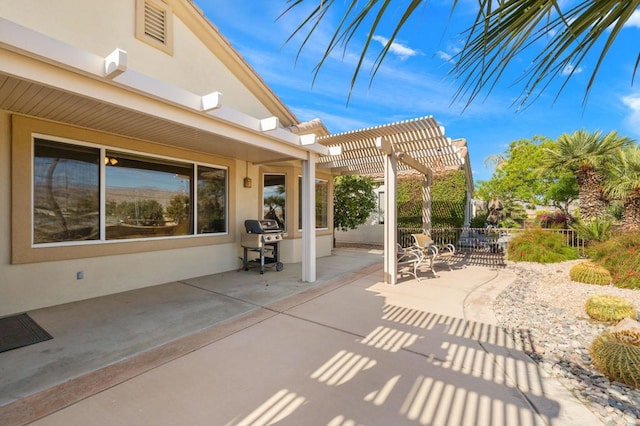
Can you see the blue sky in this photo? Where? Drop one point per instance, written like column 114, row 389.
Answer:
column 414, row 81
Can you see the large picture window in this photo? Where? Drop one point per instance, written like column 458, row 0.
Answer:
column 144, row 196
column 322, row 203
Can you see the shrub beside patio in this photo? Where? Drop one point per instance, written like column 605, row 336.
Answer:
column 621, row 256
column 540, row 246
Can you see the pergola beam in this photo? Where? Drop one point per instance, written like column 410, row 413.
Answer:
column 413, row 163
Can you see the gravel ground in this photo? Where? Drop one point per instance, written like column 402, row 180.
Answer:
column 547, row 307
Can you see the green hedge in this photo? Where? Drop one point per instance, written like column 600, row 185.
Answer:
column 448, row 199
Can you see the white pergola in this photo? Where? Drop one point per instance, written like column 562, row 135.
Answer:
column 419, row 144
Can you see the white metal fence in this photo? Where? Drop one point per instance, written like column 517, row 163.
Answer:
column 492, row 240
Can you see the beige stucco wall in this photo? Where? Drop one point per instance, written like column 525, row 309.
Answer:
column 33, row 278
column 31, row 281
column 102, row 27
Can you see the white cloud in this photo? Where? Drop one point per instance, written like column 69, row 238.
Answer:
column 403, row 52
column 632, row 101
column 447, row 57
column 570, row 69
column 634, row 20
column 449, row 53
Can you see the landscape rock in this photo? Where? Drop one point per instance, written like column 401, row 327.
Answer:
column 547, row 307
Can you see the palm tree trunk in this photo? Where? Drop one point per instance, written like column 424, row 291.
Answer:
column 631, row 215
column 593, row 203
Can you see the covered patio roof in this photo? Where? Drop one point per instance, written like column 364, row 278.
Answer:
column 46, row 78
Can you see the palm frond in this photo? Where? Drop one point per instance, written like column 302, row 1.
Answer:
column 515, row 26
column 500, row 32
column 622, row 174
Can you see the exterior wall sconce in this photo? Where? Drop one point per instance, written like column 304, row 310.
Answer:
column 246, row 182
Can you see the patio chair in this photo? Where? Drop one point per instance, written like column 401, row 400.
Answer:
column 437, row 253
column 408, row 260
column 446, row 253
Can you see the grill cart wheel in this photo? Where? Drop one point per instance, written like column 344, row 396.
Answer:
column 279, row 266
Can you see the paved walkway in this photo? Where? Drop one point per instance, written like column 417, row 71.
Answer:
column 347, row 351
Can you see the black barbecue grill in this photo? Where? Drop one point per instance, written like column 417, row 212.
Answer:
column 262, row 236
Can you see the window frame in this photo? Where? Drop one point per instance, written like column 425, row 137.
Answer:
column 262, row 193
column 22, row 252
column 317, row 179
column 382, row 197
column 103, row 187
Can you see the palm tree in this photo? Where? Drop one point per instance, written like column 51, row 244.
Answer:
column 586, row 154
column 622, row 181
column 500, row 31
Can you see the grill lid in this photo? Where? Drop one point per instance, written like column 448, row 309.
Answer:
column 261, row 226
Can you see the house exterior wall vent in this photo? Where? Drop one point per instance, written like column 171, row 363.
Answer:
column 154, row 24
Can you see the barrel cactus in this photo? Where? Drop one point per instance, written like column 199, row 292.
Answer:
column 590, row 273
column 616, row 353
column 631, row 337
column 604, row 307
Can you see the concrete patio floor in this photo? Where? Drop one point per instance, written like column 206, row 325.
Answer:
column 241, row 348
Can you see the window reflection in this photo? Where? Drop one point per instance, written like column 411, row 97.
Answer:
column 274, row 198
column 147, row 197
column 322, row 203
column 212, row 184
column 144, row 196
column 65, row 192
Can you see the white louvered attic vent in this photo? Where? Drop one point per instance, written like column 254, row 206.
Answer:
column 155, row 22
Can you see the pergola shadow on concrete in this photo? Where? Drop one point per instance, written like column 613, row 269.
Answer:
column 419, row 144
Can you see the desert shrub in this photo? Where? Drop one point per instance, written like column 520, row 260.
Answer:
column 607, row 308
column 621, row 256
column 556, row 220
column 616, row 358
column 509, row 223
column 540, row 246
column 594, row 230
column 590, row 273
column 479, row 221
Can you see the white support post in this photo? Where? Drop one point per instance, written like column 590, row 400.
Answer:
column 390, row 211
column 426, row 202
column 467, row 211
column 309, row 218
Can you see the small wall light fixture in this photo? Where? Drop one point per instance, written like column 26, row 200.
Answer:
column 246, row 182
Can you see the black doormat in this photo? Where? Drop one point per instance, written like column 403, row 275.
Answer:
column 20, row 330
